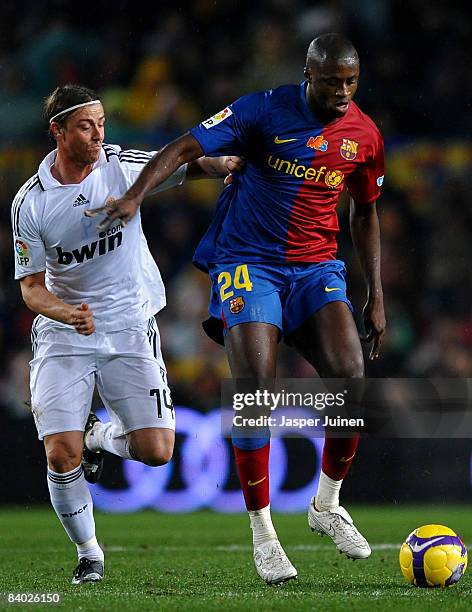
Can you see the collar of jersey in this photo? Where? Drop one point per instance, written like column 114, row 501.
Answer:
column 47, row 179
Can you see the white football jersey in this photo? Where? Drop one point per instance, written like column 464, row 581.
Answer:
column 112, row 271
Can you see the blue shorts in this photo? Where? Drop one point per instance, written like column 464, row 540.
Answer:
column 284, row 296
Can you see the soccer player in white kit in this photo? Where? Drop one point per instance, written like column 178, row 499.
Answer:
column 96, row 293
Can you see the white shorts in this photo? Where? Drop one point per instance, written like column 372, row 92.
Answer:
column 126, row 366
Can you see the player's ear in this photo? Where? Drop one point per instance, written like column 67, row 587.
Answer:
column 307, row 74
column 56, row 131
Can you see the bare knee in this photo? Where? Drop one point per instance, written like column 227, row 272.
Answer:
column 350, row 367
column 62, row 457
column 158, row 455
column 354, row 368
column 152, row 446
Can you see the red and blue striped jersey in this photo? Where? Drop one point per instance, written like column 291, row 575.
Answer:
column 282, row 206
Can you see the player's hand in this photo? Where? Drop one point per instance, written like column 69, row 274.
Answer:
column 374, row 323
column 232, row 163
column 82, row 320
column 123, row 208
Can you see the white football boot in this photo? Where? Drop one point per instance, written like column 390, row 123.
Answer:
column 339, row 525
column 272, row 564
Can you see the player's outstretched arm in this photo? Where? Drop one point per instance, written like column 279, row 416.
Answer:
column 215, row 167
column 184, row 149
column 365, row 233
column 40, row 300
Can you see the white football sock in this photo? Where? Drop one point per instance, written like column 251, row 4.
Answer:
column 103, row 437
column 90, row 550
column 71, row 499
column 327, row 497
column 261, row 525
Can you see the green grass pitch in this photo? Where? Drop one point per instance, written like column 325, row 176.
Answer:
column 203, row 561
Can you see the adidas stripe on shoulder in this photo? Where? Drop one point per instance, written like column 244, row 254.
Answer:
column 19, row 200
column 111, row 151
column 129, row 156
column 134, row 156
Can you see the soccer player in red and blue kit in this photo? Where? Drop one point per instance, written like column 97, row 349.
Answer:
column 271, row 255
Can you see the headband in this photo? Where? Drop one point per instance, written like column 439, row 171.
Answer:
column 71, row 108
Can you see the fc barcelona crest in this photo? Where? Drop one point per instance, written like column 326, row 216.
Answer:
column 236, row 304
column 348, row 149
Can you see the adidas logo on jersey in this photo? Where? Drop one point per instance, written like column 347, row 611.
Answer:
column 110, row 240
column 80, row 200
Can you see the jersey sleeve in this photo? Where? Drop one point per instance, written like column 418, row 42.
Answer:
column 133, row 161
column 228, row 132
column 29, row 249
column 364, row 185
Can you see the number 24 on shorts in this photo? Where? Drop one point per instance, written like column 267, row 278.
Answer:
column 241, row 280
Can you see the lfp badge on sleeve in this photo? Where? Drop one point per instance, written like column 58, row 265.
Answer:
column 22, row 253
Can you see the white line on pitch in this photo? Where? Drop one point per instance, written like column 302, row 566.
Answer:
column 246, row 547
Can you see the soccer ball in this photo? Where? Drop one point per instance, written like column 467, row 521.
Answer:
column 433, row 556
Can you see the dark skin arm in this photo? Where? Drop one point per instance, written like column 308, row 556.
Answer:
column 184, row 149
column 214, row 167
column 365, row 234
column 40, row 300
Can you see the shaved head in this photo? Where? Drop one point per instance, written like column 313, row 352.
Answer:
column 331, row 47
